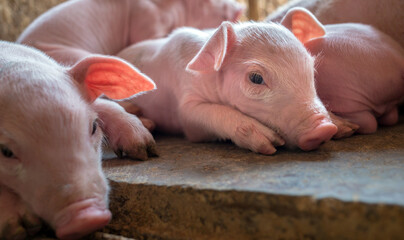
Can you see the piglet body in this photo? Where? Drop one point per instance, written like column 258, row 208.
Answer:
column 386, row 15
column 251, row 83
column 77, row 28
column 360, row 71
column 50, row 140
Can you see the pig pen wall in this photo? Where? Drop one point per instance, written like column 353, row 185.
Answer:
column 16, row 15
column 259, row 9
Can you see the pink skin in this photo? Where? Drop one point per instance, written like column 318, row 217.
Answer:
column 360, row 71
column 78, row 28
column 206, row 93
column 132, row 134
column 386, row 15
column 50, row 140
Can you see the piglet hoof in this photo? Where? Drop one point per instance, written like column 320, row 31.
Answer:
column 135, row 110
column 142, row 152
column 257, row 138
column 125, row 132
column 131, row 139
column 134, row 140
column 345, row 128
column 148, row 123
column 131, row 108
column 16, row 221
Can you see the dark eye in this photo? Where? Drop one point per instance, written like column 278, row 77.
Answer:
column 256, row 78
column 95, row 126
column 6, row 151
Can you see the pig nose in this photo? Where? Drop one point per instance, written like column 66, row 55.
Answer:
column 83, row 220
column 317, row 136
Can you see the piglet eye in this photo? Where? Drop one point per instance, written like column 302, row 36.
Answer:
column 256, row 78
column 6, row 151
column 95, row 126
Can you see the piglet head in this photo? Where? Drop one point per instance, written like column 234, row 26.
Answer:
column 50, row 141
column 262, row 70
column 214, row 12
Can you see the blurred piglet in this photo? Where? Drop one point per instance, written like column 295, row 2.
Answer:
column 385, row 15
column 50, row 139
column 252, row 83
column 360, row 70
column 77, row 28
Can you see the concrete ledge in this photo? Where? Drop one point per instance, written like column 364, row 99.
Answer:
column 155, row 212
column 348, row 189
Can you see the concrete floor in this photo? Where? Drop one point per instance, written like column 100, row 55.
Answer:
column 348, row 189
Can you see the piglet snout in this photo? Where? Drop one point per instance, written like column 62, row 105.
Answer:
column 82, row 218
column 323, row 132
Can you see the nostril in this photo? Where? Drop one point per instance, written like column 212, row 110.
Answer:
column 321, row 134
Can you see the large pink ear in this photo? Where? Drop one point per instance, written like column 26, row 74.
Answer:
column 111, row 76
column 303, row 24
column 211, row 56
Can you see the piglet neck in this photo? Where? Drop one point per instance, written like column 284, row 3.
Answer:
column 213, row 88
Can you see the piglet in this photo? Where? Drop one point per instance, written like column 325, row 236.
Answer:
column 50, row 139
column 385, row 15
column 360, row 70
column 251, row 82
column 77, row 28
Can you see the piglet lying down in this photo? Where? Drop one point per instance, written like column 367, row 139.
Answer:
column 50, row 139
column 78, row 28
column 252, row 83
column 386, row 15
column 360, row 71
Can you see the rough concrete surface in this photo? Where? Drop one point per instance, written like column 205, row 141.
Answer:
column 48, row 234
column 348, row 189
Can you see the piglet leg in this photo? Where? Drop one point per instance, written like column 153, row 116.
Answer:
column 16, row 221
column 207, row 121
column 124, row 131
column 135, row 110
column 345, row 127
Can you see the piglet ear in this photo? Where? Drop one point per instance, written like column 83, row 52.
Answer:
column 110, row 76
column 210, row 58
column 303, row 24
